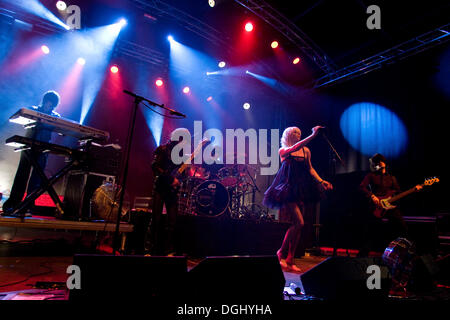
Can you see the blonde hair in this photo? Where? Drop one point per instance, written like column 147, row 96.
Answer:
column 287, row 139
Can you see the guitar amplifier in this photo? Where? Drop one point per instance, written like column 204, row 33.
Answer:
column 80, row 187
column 103, row 159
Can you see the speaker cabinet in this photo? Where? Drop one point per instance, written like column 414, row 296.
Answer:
column 128, row 278
column 340, row 278
column 237, row 278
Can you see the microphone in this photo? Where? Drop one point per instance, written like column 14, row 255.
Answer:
column 172, row 112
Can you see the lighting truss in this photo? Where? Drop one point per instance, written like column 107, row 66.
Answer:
column 390, row 56
column 290, row 31
column 188, row 22
column 141, row 53
column 30, row 21
column 162, row 9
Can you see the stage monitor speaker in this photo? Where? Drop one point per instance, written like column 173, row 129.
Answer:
column 129, row 278
column 340, row 278
column 237, row 278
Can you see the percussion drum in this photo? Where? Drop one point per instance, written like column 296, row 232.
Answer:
column 229, row 176
column 211, row 198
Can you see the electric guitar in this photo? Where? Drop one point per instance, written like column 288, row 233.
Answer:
column 163, row 185
column 386, row 202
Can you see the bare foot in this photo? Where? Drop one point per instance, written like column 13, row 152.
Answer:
column 294, row 268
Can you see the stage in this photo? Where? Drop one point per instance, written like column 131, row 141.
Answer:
column 200, row 151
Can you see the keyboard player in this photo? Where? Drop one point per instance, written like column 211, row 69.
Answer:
column 23, row 181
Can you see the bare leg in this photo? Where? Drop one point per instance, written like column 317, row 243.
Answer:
column 292, row 236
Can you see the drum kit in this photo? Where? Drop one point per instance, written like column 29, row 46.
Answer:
column 220, row 190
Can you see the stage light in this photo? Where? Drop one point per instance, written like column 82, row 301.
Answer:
column 114, row 69
column 61, row 5
column 211, row 3
column 246, row 106
column 81, row 61
column 274, row 44
column 296, row 60
column 45, row 49
column 170, row 38
column 222, row 64
column 247, row 72
column 249, row 27
column 186, row 90
column 123, row 22
column 159, row 83
column 209, row 98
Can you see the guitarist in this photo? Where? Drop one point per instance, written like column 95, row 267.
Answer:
column 376, row 185
column 164, row 193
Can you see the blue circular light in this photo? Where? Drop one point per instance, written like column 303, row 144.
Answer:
column 371, row 128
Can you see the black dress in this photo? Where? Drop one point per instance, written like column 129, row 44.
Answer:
column 293, row 183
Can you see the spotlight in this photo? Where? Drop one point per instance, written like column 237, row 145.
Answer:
column 274, row 44
column 209, row 98
column 123, row 22
column 296, row 60
column 81, row 61
column 222, row 64
column 114, row 69
column 186, row 90
column 170, row 38
column 45, row 49
column 246, row 106
column 61, row 5
column 247, row 72
column 211, row 3
column 159, row 83
column 249, row 27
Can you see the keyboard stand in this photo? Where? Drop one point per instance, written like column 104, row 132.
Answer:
column 46, row 186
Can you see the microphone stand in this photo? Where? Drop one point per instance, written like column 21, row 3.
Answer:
column 333, row 154
column 137, row 100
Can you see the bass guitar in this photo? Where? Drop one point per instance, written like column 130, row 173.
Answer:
column 386, row 203
column 162, row 181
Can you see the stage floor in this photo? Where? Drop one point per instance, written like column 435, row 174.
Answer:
column 19, row 275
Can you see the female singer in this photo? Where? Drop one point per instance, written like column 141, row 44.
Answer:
column 295, row 185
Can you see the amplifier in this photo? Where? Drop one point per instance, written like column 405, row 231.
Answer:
column 103, row 159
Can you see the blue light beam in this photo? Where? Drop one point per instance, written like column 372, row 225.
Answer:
column 38, row 9
column 98, row 45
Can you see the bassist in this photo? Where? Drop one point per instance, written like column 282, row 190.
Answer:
column 376, row 185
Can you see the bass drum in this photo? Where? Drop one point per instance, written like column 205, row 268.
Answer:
column 211, row 199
